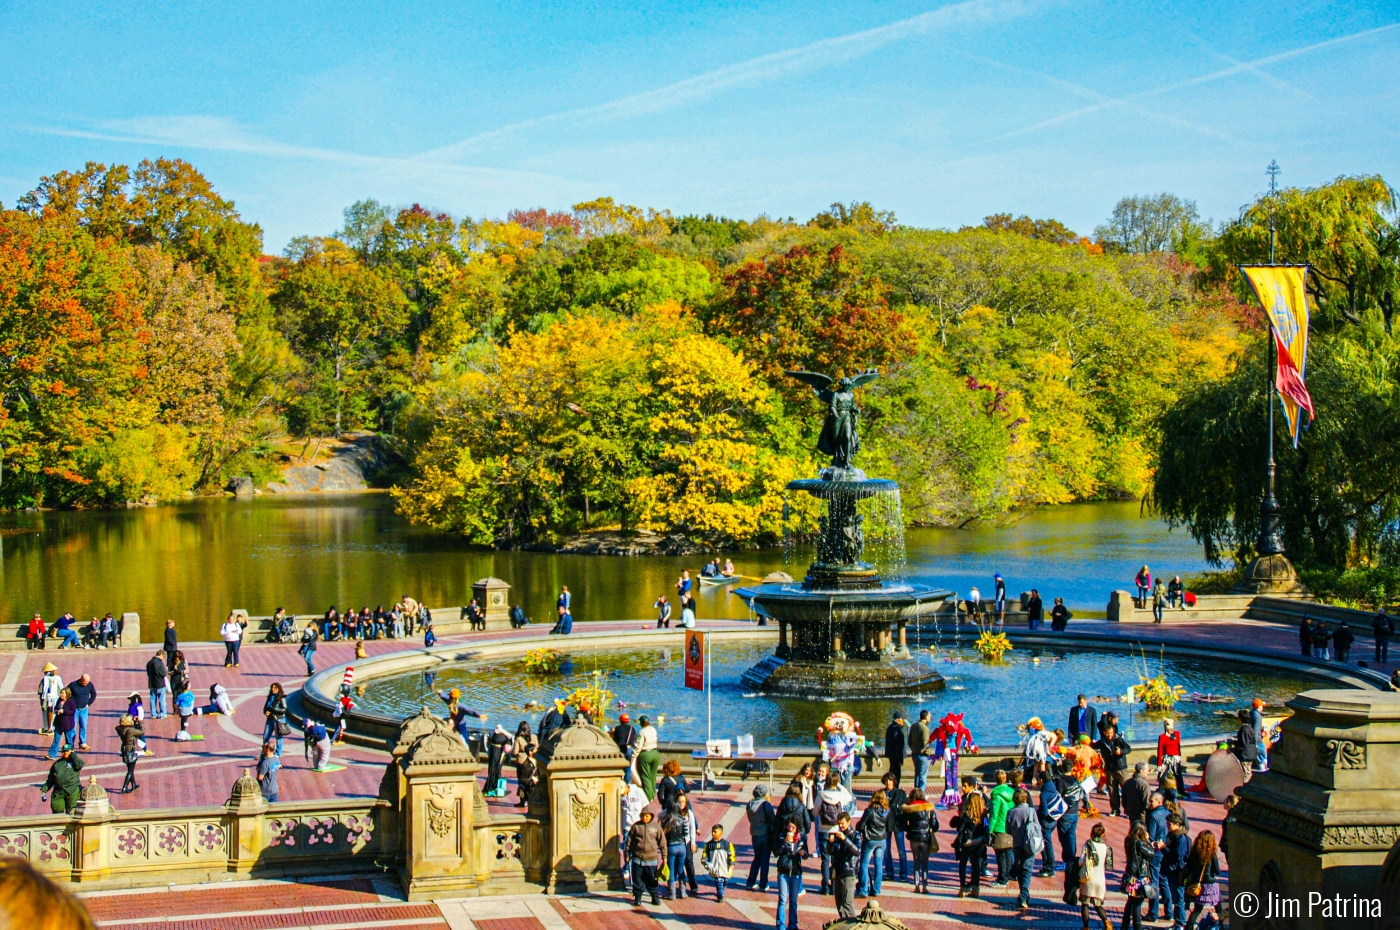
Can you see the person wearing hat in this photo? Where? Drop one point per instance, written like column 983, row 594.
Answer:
column 457, row 712
column 648, row 755
column 63, row 788
column 625, row 736
column 896, row 741
column 999, row 597
column 50, row 693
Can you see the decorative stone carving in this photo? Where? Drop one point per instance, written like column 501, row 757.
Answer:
column 1341, row 754
column 442, row 807
column 246, row 794
column 585, row 815
column 493, row 596
column 428, row 740
column 582, row 778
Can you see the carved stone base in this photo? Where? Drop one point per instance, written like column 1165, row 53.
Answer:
column 1270, row 574
column 890, row 676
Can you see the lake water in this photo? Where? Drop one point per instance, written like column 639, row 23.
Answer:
column 194, row 561
column 995, row 697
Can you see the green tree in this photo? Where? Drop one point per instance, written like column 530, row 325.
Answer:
column 1154, row 223
column 335, row 312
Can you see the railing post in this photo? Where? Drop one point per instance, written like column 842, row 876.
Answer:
column 245, row 808
column 92, row 856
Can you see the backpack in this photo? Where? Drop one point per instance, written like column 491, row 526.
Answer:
column 1036, row 838
column 829, row 812
column 1056, row 808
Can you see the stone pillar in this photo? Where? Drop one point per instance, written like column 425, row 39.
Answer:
column 130, row 634
column 1328, row 810
column 493, row 595
column 244, row 811
column 903, row 649
column 782, row 651
column 441, row 810
column 1121, row 608
column 583, row 772
column 91, row 854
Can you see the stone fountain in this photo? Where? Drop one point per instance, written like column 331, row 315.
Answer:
column 841, row 631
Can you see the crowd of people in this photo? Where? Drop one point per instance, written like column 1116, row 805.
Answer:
column 101, row 633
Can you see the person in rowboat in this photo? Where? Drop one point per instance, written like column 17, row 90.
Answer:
column 728, row 568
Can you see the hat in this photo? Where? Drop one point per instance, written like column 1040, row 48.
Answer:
column 760, row 791
column 643, row 720
column 134, row 694
column 899, row 715
column 455, row 693
column 624, row 719
column 50, row 667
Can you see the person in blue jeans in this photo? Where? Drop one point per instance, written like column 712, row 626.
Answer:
column 791, row 849
column 674, row 826
column 873, row 830
column 895, row 830
column 63, row 724
column 762, row 819
column 84, row 695
column 1024, row 826
column 63, row 629
column 1175, row 852
column 275, row 716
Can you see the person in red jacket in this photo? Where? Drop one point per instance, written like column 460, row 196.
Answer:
column 35, row 635
column 1169, row 759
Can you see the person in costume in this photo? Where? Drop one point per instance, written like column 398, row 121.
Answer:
column 950, row 740
column 840, row 746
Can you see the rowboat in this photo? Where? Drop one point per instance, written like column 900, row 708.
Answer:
column 719, row 579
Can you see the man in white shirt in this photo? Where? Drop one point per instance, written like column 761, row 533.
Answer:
column 232, row 633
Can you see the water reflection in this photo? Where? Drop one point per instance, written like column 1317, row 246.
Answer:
column 195, row 561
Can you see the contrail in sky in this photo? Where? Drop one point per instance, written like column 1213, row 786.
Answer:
column 823, row 53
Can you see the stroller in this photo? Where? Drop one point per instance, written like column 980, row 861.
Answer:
column 282, row 631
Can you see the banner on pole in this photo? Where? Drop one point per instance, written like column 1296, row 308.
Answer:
column 695, row 660
column 1282, row 293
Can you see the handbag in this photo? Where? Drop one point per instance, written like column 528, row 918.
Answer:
column 1002, row 841
column 1193, row 890
column 284, row 728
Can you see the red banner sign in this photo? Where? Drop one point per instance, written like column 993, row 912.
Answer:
column 695, row 660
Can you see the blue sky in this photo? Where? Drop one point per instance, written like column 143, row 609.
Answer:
column 941, row 113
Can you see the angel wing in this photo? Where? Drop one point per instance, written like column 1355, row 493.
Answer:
column 865, row 377
column 819, row 382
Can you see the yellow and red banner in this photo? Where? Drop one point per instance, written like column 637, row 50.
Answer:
column 1282, row 293
column 695, row 660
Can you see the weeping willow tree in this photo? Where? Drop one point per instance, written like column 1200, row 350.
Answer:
column 1339, row 490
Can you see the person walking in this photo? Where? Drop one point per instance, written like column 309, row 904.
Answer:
column 1157, row 831
column 158, row 686
column 845, row 861
column 970, row 843
column 50, row 696
column 307, row 650
column 275, row 726
column 791, row 850
column 896, row 742
column 646, row 844
column 1035, row 611
column 1137, row 876
column 1067, row 827
column 1202, row 876
column 1382, row 629
column 873, row 830
column 718, row 860
column 1159, row 600
column 1027, row 842
column 1170, row 772
column 762, row 820
column 672, row 785
column 63, row 787
column 895, row 834
column 130, row 732
column 84, row 696
column 919, row 748
column 64, row 724
column 793, row 808
column 1095, row 861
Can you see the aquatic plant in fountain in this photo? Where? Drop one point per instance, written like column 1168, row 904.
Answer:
column 544, row 661
column 841, row 632
column 992, row 645
column 1155, row 691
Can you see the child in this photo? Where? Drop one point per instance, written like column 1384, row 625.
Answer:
column 718, row 858
column 184, row 706
column 342, row 708
column 429, row 637
column 359, row 649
